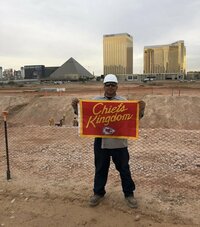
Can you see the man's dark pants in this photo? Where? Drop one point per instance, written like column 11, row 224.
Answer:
column 120, row 158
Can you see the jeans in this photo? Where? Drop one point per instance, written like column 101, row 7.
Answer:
column 120, row 157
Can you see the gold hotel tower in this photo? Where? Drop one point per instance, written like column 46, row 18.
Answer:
column 169, row 58
column 118, row 54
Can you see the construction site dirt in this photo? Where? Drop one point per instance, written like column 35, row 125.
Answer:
column 52, row 168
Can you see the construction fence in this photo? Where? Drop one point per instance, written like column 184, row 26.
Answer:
column 58, row 153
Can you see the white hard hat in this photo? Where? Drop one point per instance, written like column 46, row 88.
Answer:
column 110, row 78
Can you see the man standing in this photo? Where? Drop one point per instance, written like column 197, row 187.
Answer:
column 105, row 148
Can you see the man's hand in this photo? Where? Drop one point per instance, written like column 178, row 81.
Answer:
column 74, row 104
column 142, row 105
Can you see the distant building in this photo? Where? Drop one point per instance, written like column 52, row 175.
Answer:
column 193, row 75
column 71, row 70
column 170, row 58
column 17, row 74
column 49, row 70
column 34, row 71
column 1, row 73
column 8, row 74
column 22, row 72
column 118, row 54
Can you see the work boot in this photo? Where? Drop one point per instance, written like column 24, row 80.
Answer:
column 131, row 202
column 95, row 200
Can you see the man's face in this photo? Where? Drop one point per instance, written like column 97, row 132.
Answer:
column 110, row 89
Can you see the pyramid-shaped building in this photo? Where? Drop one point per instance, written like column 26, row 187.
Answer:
column 71, row 70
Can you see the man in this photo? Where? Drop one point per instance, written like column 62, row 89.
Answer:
column 105, row 148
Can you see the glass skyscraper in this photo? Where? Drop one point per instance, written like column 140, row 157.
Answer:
column 118, row 54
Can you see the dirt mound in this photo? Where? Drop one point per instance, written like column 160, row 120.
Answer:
column 176, row 112
column 8, row 102
column 39, row 110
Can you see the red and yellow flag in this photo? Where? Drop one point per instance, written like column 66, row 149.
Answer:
column 109, row 119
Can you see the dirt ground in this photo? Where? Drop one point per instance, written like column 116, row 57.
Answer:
column 49, row 186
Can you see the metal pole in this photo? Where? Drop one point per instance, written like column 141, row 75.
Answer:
column 5, row 114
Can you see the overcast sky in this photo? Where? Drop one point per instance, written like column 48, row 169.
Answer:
column 49, row 32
